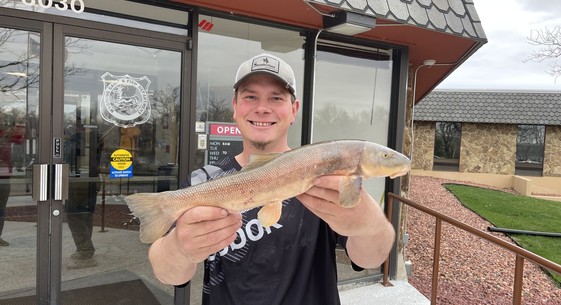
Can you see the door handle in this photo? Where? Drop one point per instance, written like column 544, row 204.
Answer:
column 40, row 182
column 61, row 181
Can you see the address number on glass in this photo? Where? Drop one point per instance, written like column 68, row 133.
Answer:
column 76, row 6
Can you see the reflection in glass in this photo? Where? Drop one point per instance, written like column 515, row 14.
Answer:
column 19, row 97
column 356, row 105
column 530, row 145
column 152, row 140
column 447, row 140
column 447, row 143
column 352, row 101
column 116, row 97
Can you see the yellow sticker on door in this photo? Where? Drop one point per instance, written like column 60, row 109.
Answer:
column 120, row 164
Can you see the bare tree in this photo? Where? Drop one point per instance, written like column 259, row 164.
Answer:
column 447, row 140
column 339, row 122
column 530, row 143
column 166, row 103
column 217, row 110
column 548, row 41
column 21, row 70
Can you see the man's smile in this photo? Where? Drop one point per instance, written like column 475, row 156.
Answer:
column 261, row 124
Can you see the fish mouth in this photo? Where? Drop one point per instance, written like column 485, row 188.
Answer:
column 404, row 170
column 261, row 124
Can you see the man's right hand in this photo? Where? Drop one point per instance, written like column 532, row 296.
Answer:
column 202, row 231
column 199, row 232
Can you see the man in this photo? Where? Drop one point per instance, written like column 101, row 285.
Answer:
column 82, row 195
column 293, row 261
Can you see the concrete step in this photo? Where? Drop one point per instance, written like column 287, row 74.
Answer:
column 401, row 293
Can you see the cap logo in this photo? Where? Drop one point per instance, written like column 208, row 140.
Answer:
column 265, row 63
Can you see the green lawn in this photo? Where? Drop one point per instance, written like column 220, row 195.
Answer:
column 511, row 211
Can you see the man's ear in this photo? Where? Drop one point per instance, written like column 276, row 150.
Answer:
column 295, row 108
column 234, row 103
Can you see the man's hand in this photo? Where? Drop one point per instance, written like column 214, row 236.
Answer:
column 199, row 232
column 322, row 199
column 205, row 230
column 370, row 235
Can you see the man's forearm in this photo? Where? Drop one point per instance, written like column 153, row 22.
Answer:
column 370, row 251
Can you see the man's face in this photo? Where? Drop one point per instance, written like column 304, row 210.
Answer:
column 264, row 111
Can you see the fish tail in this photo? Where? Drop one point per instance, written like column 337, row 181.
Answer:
column 150, row 209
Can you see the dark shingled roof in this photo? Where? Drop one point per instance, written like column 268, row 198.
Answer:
column 505, row 107
column 456, row 17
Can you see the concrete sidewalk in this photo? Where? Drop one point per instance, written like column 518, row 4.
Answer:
column 401, row 293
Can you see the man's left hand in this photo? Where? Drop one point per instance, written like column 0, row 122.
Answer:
column 322, row 200
column 370, row 235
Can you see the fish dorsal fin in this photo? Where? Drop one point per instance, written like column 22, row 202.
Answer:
column 258, row 160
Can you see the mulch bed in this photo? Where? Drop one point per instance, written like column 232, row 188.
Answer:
column 472, row 271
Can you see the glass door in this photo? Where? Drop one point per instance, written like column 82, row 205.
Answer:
column 119, row 122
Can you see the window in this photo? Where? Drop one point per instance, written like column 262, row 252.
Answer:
column 529, row 150
column 353, row 96
column 447, row 146
column 353, row 93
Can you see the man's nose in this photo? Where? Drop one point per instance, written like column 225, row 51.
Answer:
column 263, row 106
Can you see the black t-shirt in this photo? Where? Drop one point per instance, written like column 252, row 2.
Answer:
column 289, row 263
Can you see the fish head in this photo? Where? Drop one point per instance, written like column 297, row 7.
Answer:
column 380, row 161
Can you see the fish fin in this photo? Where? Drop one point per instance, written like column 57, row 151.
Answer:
column 270, row 214
column 349, row 191
column 150, row 209
column 258, row 160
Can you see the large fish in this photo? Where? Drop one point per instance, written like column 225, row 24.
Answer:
column 268, row 180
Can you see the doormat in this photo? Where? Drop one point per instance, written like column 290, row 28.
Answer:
column 123, row 293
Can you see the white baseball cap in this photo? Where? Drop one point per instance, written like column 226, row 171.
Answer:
column 269, row 65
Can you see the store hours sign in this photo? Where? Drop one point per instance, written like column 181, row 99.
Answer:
column 224, row 140
column 77, row 6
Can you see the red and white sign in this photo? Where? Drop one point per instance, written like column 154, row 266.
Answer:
column 224, row 130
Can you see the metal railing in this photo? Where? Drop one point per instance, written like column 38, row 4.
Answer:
column 521, row 254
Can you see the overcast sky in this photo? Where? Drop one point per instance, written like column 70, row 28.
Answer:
column 499, row 64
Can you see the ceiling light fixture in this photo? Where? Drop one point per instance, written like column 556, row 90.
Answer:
column 348, row 23
column 429, row 62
